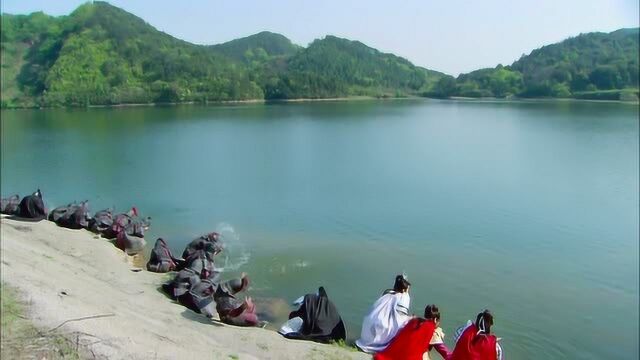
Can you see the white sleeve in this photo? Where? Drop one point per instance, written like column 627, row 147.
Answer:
column 460, row 330
column 402, row 304
column 498, row 351
column 402, row 309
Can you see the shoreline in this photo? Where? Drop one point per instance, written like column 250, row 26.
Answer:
column 337, row 99
column 69, row 274
column 222, row 102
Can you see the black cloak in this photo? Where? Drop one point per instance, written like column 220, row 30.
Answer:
column 321, row 320
column 32, row 207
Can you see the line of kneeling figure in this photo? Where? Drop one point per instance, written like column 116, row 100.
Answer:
column 389, row 332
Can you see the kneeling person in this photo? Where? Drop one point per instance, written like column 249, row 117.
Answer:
column 414, row 339
column 475, row 340
column 232, row 310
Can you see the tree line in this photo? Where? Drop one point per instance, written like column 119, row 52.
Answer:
column 101, row 55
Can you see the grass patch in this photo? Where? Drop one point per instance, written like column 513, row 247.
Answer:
column 336, row 352
column 343, row 345
column 21, row 340
column 629, row 94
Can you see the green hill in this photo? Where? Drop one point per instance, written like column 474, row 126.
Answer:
column 100, row 54
column 257, row 48
column 103, row 55
column 593, row 65
column 20, row 36
column 333, row 67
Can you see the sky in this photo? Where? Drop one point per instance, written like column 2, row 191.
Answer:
column 452, row 36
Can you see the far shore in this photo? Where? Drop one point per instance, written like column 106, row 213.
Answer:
column 340, row 99
column 95, row 295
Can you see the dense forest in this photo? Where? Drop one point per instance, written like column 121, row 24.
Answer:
column 102, row 55
column 589, row 66
column 258, row 48
column 334, row 67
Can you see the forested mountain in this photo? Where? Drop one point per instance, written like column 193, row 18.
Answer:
column 593, row 65
column 339, row 67
column 100, row 54
column 103, row 55
column 257, row 48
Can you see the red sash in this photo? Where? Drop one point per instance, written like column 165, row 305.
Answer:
column 410, row 343
column 475, row 347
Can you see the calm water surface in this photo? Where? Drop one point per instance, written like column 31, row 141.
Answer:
column 529, row 209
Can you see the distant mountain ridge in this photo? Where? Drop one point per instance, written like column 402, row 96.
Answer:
column 591, row 66
column 102, row 55
column 257, row 47
column 333, row 66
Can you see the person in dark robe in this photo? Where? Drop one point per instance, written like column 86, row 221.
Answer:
column 101, row 223
column 56, row 214
column 231, row 309
column 72, row 216
column 181, row 283
column 130, row 223
column 201, row 261
column 129, row 231
column 320, row 319
column 413, row 340
column 130, row 244
column 474, row 341
column 161, row 259
column 201, row 242
column 119, row 223
column 32, row 207
column 9, row 205
column 198, row 266
column 199, row 297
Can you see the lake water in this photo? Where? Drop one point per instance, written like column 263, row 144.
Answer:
column 529, row 209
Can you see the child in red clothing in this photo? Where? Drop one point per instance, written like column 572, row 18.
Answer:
column 431, row 312
column 414, row 338
column 476, row 342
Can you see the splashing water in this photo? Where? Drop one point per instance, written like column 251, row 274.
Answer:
column 235, row 253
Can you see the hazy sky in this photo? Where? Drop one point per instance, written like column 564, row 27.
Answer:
column 453, row 36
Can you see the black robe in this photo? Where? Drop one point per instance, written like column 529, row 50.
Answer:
column 131, row 225
column 320, row 319
column 199, row 297
column 101, row 223
column 198, row 267
column 32, row 207
column 72, row 216
column 209, row 241
column 161, row 259
column 181, row 283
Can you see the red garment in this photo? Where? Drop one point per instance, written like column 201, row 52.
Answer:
column 410, row 343
column 475, row 347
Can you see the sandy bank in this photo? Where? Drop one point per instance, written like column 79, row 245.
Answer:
column 68, row 274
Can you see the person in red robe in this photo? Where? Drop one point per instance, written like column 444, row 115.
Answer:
column 413, row 340
column 475, row 341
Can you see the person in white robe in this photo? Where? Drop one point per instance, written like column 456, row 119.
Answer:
column 387, row 316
